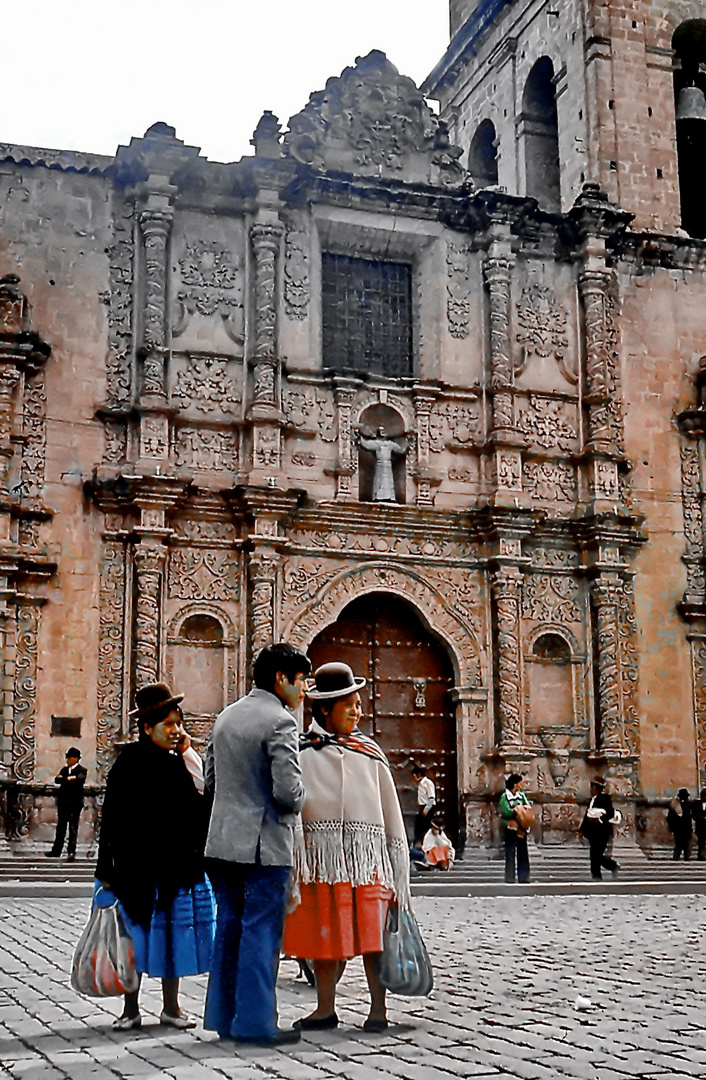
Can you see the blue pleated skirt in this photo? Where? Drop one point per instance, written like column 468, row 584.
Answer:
column 179, row 939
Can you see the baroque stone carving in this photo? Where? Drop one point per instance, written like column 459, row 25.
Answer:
column 34, row 431
column 544, row 423
column 296, row 274
column 550, row 481
column 374, row 121
column 306, row 407
column 454, row 425
column 205, row 530
column 458, row 302
column 551, row 598
column 693, row 517
column 149, row 564
column 111, row 660
column 607, row 594
column 200, row 574
column 262, row 572
column 202, row 448
column 629, row 666
column 541, row 325
column 265, row 241
column 115, row 444
column 206, row 385
column 497, row 272
column 698, row 662
column 121, row 255
column 602, row 360
column 506, row 590
column 155, row 226
column 214, row 287
column 550, row 558
column 25, row 691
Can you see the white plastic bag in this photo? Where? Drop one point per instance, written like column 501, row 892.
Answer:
column 104, row 960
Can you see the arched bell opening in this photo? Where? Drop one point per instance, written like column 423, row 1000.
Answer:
column 407, row 701
column 689, row 43
column 483, row 156
column 539, row 130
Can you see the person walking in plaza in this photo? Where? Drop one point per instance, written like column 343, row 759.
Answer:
column 514, row 834
column 426, row 803
column 597, row 828
column 150, row 853
column 69, row 804
column 252, row 769
column 351, row 858
column 680, row 824
column 698, row 813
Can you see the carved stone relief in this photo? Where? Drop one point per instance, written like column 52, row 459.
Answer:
column 550, row 558
column 34, row 431
column 542, row 326
column 25, row 691
column 115, row 444
column 202, row 574
column 206, row 450
column 551, row 598
column 549, row 423
column 206, row 384
column 550, row 481
column 121, row 255
column 458, row 302
column 698, row 662
column 454, row 425
column 111, row 660
column 693, row 517
column 204, row 530
column 211, row 284
column 310, row 411
column 296, row 274
column 506, row 591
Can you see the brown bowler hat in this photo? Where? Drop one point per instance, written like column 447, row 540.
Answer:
column 334, row 681
column 153, row 697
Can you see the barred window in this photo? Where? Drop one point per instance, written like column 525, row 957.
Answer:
column 367, row 315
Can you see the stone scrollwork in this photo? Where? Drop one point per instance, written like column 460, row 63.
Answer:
column 25, row 691
column 551, row 598
column 206, row 450
column 454, row 425
column 544, row 423
column 542, row 326
column 201, row 574
column 550, row 481
column 262, row 572
column 149, row 567
column 121, row 255
column 693, row 518
column 35, row 436
column 458, row 303
column 698, row 663
column 607, row 597
column 296, row 274
column 111, row 659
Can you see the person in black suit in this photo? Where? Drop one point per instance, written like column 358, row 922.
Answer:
column 69, row 804
column 597, row 828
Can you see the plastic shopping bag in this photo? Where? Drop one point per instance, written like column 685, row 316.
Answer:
column 104, row 960
column 405, row 967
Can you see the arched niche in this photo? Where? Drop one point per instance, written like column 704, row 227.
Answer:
column 539, row 130
column 483, row 156
column 379, row 424
column 199, row 647
column 550, row 664
column 689, row 44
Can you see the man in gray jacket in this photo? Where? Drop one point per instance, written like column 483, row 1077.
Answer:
column 252, row 768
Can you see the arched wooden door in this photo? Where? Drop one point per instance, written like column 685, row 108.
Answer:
column 406, row 701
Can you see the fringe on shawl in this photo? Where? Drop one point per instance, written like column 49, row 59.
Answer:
column 352, row 851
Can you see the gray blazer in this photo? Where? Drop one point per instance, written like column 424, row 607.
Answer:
column 252, row 766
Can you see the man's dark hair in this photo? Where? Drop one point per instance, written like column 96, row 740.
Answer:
column 513, row 778
column 288, row 659
column 419, row 770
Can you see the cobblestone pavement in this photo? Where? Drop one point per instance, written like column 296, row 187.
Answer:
column 509, row 971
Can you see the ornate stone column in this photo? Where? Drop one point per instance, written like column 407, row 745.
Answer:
column 265, row 412
column 262, row 575
column 506, row 591
column 424, row 476
column 155, row 225
column 9, row 378
column 150, row 559
column 347, row 467
column 605, row 592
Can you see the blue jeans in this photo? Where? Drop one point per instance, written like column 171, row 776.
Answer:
column 516, row 851
column 241, row 1000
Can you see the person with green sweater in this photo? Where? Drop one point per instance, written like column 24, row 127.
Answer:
column 514, row 836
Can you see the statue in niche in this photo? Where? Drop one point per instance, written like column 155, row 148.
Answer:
column 383, row 449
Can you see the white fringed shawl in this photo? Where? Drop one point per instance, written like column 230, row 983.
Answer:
column 351, row 826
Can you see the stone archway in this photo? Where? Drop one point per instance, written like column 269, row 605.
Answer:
column 407, row 701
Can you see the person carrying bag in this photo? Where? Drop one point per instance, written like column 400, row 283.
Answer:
column 517, row 816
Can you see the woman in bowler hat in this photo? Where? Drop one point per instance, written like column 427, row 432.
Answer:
column 150, row 853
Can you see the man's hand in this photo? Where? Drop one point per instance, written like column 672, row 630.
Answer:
column 184, row 743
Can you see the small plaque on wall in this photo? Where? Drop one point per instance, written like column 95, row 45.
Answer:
column 66, row 725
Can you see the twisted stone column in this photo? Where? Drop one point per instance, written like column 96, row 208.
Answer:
column 150, row 557
column 498, row 273
column 155, row 226
column 606, row 592
column 266, row 239
column 506, row 590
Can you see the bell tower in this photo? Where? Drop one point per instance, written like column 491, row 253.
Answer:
column 610, row 93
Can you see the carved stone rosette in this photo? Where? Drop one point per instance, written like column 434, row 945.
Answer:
column 155, row 226
column 506, row 592
column 606, row 592
column 150, row 557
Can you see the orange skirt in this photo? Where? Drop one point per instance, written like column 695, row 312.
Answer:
column 336, row 922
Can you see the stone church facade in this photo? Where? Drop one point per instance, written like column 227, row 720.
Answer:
column 207, row 371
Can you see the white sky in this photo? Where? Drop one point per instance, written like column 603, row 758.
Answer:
column 89, row 74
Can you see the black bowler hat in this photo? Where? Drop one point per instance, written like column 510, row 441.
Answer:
column 73, row 751
column 154, row 698
column 334, row 681
column 597, row 781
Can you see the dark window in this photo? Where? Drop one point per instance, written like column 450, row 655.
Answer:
column 367, row 315
column 66, row 725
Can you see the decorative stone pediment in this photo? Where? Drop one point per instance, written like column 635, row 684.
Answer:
column 372, row 121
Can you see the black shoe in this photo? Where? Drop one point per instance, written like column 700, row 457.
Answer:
column 52, row 854
column 316, row 1023
column 280, row 1038
column 376, row 1025
column 71, row 858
